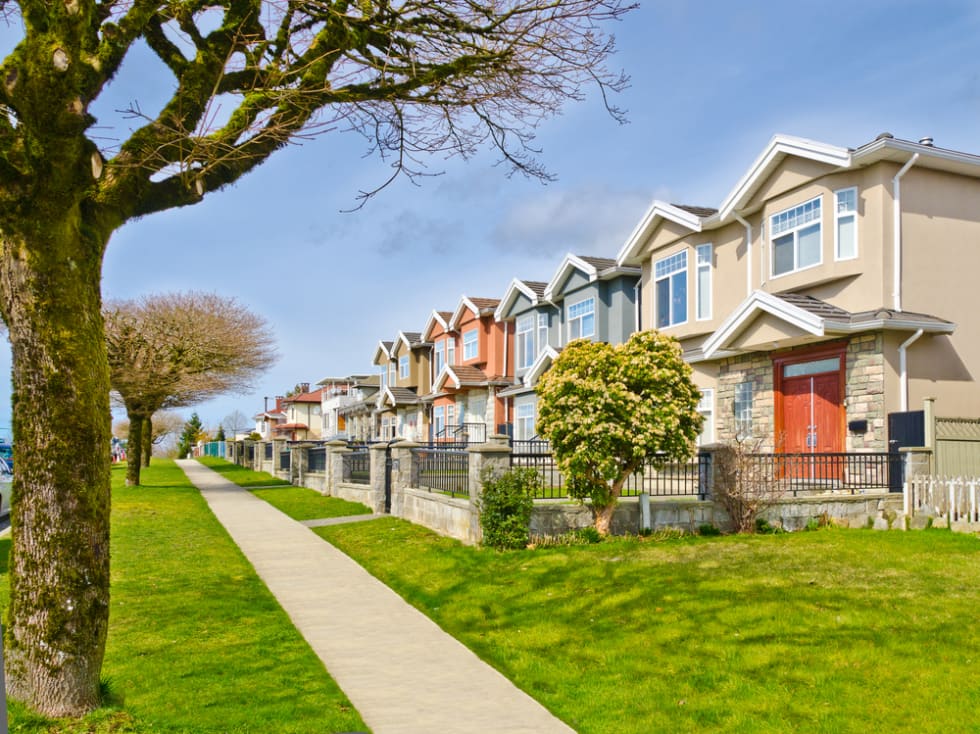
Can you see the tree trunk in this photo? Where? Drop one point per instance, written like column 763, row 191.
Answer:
column 59, row 563
column 147, row 450
column 603, row 518
column 134, row 448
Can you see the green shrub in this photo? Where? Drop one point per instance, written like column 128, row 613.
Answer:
column 505, row 507
column 589, row 534
column 708, row 529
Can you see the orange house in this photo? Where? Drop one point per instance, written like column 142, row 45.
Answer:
column 472, row 362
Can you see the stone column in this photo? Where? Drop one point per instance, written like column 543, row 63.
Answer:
column 297, row 464
column 378, row 477
column 404, row 473
column 278, row 446
column 335, row 451
column 494, row 455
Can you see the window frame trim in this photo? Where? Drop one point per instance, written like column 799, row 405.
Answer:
column 687, row 274
column 796, row 239
column 837, row 218
column 568, row 323
column 709, row 267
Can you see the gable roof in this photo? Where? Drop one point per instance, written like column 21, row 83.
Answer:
column 817, row 318
column 779, row 148
column 533, row 290
column 594, row 268
column 396, row 396
column 478, row 306
column 383, row 352
column 313, row 396
column 548, row 355
column 442, row 318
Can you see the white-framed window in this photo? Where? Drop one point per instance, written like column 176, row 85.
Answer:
column 438, row 420
column 581, row 319
column 704, row 255
column 670, row 289
column 542, row 333
column 706, row 407
column 451, row 415
column 796, row 238
column 470, row 346
column 391, row 372
column 384, row 376
column 524, row 340
column 524, row 420
column 743, row 410
column 451, row 351
column 403, row 366
column 440, row 358
column 845, row 219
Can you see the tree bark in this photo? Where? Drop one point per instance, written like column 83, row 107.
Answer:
column 134, row 448
column 59, row 564
column 147, row 450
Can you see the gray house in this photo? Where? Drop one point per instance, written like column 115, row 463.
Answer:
column 588, row 298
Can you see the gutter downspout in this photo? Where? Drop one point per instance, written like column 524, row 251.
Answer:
column 637, row 309
column 897, row 233
column 748, row 253
column 903, row 371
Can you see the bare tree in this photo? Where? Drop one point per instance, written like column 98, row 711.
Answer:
column 414, row 77
column 174, row 350
column 237, row 422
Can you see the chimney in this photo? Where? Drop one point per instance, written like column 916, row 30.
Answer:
column 265, row 409
column 304, row 387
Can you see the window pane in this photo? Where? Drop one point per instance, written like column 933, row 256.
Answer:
column 782, row 254
column 846, row 237
column 704, row 293
column 678, row 284
column 588, row 325
column 663, row 303
column 831, row 364
column 809, row 246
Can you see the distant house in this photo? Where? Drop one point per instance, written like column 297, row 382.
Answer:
column 402, row 395
column 269, row 418
column 831, row 288
column 466, row 389
column 303, row 416
column 353, row 411
column 587, row 298
column 385, row 411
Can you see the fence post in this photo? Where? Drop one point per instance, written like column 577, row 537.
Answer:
column 379, row 453
column 334, row 464
column 929, row 422
column 495, row 454
column 403, row 473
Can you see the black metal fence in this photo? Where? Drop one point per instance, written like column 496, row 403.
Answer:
column 673, row 479
column 316, row 459
column 357, row 466
column 812, row 472
column 443, row 470
column 463, row 434
column 268, row 452
column 250, row 452
column 284, row 458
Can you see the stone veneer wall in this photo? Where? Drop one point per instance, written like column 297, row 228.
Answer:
column 757, row 369
column 864, row 394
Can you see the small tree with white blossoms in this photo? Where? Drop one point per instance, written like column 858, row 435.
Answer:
column 609, row 411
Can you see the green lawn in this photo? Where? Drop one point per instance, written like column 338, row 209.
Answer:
column 827, row 631
column 196, row 641
column 299, row 503
column 240, row 475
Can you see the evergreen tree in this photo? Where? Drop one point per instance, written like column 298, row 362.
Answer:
column 220, row 435
column 188, row 437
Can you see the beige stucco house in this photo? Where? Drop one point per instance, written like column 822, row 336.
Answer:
column 832, row 287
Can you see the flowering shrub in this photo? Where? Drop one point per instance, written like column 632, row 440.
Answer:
column 608, row 411
column 505, row 507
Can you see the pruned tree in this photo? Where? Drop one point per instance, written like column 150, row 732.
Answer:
column 414, row 77
column 179, row 349
column 610, row 411
column 164, row 425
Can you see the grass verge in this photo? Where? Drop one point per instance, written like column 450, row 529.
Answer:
column 828, row 631
column 197, row 644
column 299, row 503
column 240, row 475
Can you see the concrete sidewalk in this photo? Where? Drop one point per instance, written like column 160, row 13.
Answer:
column 402, row 672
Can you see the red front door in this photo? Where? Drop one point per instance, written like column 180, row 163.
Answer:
column 811, row 418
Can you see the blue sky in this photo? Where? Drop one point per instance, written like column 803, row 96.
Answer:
column 711, row 82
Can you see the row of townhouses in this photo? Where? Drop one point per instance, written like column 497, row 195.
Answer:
column 832, row 288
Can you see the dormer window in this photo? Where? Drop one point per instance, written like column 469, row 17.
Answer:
column 403, row 367
column 524, row 340
column 795, row 235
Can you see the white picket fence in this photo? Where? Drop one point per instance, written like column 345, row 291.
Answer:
column 954, row 499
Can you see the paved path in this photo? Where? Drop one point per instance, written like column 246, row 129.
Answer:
column 402, row 672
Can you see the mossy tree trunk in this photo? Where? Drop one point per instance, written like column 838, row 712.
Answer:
column 147, row 450
column 59, row 565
